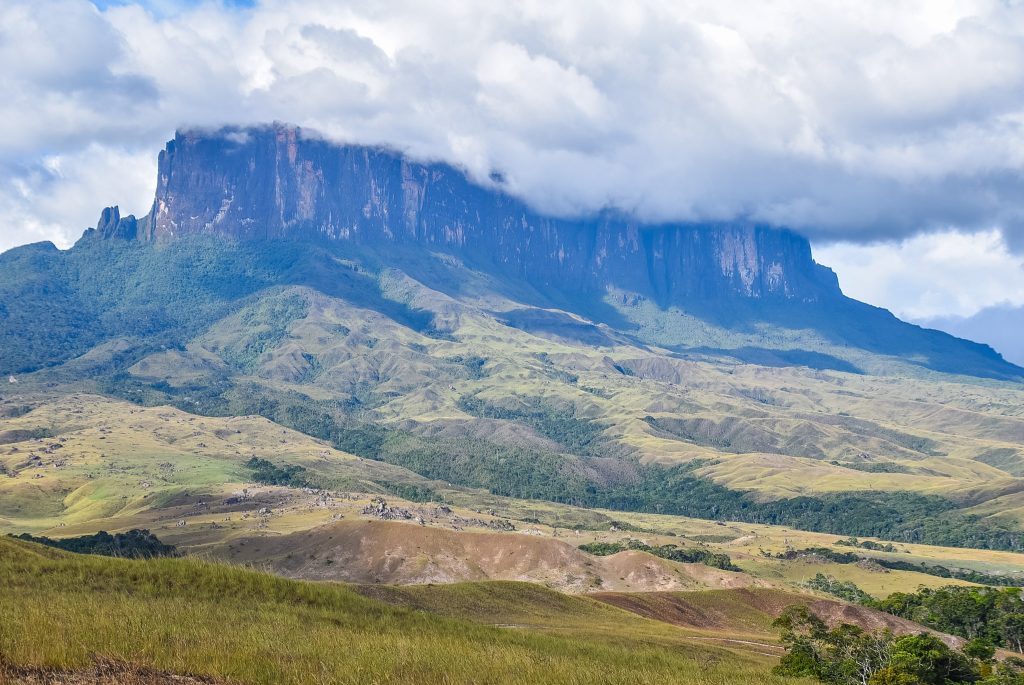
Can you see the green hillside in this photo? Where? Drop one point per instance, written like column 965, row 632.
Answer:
column 423, row 363
column 63, row 611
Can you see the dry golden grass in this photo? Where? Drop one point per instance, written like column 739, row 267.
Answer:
column 186, row 617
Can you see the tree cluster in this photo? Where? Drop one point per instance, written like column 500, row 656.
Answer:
column 849, row 655
column 990, row 614
column 291, row 475
column 839, row 588
column 969, row 575
column 135, row 544
column 693, row 555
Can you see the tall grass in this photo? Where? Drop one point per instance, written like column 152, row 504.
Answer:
column 59, row 610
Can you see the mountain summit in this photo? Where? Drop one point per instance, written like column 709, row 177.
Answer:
column 736, row 287
column 239, row 210
column 275, row 182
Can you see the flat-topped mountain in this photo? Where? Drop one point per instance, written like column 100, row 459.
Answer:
column 663, row 283
column 452, row 337
column 275, row 183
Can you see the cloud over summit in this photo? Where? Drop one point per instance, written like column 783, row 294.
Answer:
column 853, row 121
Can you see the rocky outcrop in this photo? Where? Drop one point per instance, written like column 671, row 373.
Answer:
column 112, row 225
column 277, row 182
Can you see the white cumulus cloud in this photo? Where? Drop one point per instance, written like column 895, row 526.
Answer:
column 930, row 275
column 855, row 122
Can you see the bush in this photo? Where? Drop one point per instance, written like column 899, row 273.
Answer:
column 268, row 473
column 136, row 543
column 698, row 555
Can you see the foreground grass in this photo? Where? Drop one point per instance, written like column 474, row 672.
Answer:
column 62, row 611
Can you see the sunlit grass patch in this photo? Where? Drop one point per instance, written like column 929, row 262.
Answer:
column 191, row 617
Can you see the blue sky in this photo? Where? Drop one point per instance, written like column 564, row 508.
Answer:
column 169, row 7
column 890, row 133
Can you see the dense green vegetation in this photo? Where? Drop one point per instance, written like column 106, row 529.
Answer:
column 59, row 304
column 412, row 492
column 849, row 655
column 265, row 324
column 838, row 588
column 630, row 486
column 969, row 575
column 474, row 364
column 990, row 614
column 576, row 435
column 134, row 544
column 269, row 473
column 55, row 305
column 867, row 544
column 693, row 555
column 874, row 467
column 899, row 516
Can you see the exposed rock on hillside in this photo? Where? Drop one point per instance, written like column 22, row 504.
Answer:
column 277, row 182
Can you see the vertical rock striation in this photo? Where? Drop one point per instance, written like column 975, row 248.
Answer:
column 275, row 182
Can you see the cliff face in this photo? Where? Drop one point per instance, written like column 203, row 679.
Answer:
column 276, row 183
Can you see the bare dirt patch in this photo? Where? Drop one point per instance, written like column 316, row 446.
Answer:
column 100, row 672
column 405, row 553
column 751, row 610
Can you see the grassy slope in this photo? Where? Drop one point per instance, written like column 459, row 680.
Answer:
column 117, row 461
column 186, row 616
column 381, row 347
column 531, row 607
column 131, row 487
column 385, row 342
column 772, row 430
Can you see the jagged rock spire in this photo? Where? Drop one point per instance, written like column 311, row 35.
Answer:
column 112, row 225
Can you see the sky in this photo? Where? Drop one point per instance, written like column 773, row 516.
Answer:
column 891, row 133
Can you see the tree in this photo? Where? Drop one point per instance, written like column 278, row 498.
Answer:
column 1012, row 628
column 846, row 655
column 857, row 655
column 892, row 676
column 979, row 649
column 849, row 655
column 1007, row 672
column 802, row 632
column 927, row 658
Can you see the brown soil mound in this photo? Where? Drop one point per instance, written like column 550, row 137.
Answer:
column 834, row 612
column 751, row 610
column 406, row 553
column 872, row 566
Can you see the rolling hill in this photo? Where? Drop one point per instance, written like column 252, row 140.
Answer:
column 83, row 618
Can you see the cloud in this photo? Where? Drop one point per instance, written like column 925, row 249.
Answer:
column 853, row 122
column 930, row 275
column 57, row 197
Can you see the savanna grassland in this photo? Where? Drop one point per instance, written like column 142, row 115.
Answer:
column 191, row 617
column 114, row 466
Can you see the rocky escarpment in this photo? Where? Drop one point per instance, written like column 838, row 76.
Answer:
column 276, row 182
